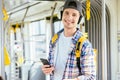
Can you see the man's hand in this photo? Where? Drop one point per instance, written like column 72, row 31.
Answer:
column 47, row 69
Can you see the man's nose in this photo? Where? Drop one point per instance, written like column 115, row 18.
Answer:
column 69, row 17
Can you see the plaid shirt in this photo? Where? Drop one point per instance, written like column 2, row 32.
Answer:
column 87, row 63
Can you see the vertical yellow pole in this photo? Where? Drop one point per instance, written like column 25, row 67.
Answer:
column 88, row 9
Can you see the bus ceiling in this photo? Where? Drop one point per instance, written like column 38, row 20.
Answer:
column 36, row 10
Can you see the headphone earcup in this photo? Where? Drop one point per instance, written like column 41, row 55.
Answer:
column 61, row 13
column 79, row 19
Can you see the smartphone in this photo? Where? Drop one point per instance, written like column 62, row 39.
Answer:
column 45, row 61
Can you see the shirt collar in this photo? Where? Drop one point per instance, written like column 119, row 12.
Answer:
column 75, row 37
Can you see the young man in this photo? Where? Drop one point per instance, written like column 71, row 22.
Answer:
column 62, row 53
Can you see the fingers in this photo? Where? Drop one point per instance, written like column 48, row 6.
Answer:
column 45, row 66
column 47, row 69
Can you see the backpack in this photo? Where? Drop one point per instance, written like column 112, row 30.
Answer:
column 78, row 49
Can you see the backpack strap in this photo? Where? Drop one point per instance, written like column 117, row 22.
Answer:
column 78, row 51
column 54, row 38
column 78, row 48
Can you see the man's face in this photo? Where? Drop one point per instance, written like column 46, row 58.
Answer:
column 70, row 18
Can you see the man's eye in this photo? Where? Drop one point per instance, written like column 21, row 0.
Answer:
column 74, row 15
column 66, row 13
